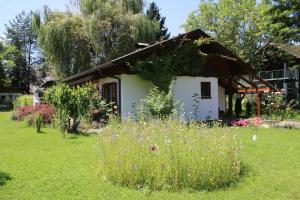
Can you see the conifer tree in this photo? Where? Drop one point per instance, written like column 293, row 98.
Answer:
column 285, row 20
column 19, row 33
column 154, row 14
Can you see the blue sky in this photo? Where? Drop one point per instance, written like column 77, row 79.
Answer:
column 176, row 12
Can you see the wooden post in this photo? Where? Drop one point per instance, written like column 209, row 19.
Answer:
column 230, row 98
column 259, row 94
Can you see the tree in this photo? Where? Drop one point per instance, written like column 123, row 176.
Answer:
column 154, row 14
column 285, row 20
column 116, row 26
column 236, row 24
column 238, row 106
column 63, row 38
column 101, row 31
column 71, row 104
column 19, row 33
column 8, row 54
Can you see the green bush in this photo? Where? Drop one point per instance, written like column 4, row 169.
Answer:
column 238, row 106
column 277, row 106
column 158, row 104
column 248, row 109
column 71, row 104
column 168, row 155
column 24, row 100
column 74, row 104
column 38, row 123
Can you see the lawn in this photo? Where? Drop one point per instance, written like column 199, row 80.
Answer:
column 45, row 166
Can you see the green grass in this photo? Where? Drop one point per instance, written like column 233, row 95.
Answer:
column 45, row 166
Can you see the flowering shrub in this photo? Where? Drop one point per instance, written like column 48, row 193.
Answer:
column 44, row 110
column 256, row 122
column 168, row 155
column 278, row 107
column 240, row 122
column 101, row 110
column 75, row 104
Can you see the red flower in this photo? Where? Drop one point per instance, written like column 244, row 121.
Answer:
column 45, row 110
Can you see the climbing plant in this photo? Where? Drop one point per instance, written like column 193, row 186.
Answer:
column 184, row 59
column 162, row 66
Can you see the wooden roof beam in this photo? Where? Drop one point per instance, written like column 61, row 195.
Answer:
column 240, row 84
column 265, row 82
column 228, row 86
column 253, row 91
column 249, row 82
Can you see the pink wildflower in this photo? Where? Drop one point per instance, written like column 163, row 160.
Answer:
column 257, row 121
column 240, row 122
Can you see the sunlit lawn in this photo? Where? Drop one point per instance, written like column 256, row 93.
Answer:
column 45, row 166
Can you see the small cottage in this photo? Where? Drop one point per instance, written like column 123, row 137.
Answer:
column 220, row 76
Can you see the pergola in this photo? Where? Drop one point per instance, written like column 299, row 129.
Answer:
column 238, row 86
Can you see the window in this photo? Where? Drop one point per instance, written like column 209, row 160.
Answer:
column 205, row 90
column 109, row 92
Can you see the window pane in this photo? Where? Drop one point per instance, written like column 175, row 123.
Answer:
column 109, row 92
column 205, row 90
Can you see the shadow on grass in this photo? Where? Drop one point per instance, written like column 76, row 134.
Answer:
column 77, row 135
column 41, row 132
column 4, row 177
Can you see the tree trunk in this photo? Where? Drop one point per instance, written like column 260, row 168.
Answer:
column 75, row 125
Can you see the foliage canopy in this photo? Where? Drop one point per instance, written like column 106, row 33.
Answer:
column 101, row 31
column 64, row 40
column 239, row 25
column 20, row 34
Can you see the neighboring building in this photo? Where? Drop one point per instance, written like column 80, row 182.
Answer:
column 37, row 91
column 281, row 64
column 48, row 82
column 218, row 78
column 8, row 94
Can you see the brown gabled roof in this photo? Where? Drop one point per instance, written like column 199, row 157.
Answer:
column 293, row 50
column 216, row 66
column 136, row 54
column 140, row 53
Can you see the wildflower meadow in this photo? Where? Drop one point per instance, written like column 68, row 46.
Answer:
column 169, row 155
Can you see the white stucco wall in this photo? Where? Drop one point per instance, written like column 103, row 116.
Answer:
column 133, row 89
column 222, row 98
column 36, row 99
column 186, row 87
